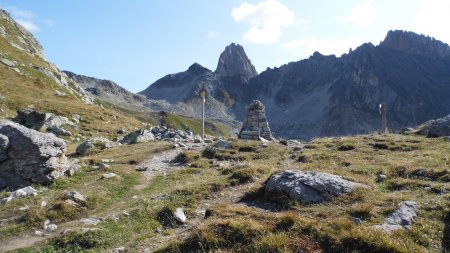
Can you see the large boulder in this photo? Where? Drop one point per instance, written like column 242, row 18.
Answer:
column 310, row 187
column 142, row 135
column 403, row 217
column 28, row 156
column 44, row 121
column 92, row 144
column 434, row 128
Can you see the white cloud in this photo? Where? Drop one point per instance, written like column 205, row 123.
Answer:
column 362, row 14
column 24, row 18
column 311, row 44
column 266, row 20
column 213, row 34
column 29, row 25
column 432, row 19
column 49, row 22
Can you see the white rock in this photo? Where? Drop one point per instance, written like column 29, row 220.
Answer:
column 179, row 215
column 43, row 203
column 109, row 175
column 49, row 227
column 38, row 233
column 119, row 250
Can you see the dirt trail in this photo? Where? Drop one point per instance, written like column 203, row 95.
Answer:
column 160, row 163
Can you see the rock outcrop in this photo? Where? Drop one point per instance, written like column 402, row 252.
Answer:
column 29, row 156
column 48, row 122
column 403, row 217
column 234, row 61
column 106, row 90
column 143, row 135
column 434, row 128
column 413, row 43
column 310, row 187
column 92, row 144
column 255, row 125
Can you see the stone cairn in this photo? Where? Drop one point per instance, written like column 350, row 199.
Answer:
column 255, row 125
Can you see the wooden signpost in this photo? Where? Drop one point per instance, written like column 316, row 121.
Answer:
column 203, row 98
column 384, row 129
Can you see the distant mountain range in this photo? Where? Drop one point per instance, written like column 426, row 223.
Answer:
column 319, row 96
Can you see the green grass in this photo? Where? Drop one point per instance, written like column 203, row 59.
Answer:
column 327, row 227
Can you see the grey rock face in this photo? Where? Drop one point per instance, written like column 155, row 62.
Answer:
column 43, row 121
column 32, row 157
column 403, row 217
column 4, row 145
column 310, row 187
column 234, row 61
column 255, row 125
column 93, row 143
column 436, row 128
column 413, row 43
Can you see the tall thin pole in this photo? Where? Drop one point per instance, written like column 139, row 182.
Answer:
column 203, row 118
column 203, row 98
column 384, row 129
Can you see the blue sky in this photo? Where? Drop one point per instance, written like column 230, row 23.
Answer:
column 136, row 42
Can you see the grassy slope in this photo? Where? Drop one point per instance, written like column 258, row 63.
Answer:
column 238, row 228
column 37, row 90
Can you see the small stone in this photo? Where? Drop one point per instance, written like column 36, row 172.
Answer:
column 126, row 214
column 208, row 141
column 104, row 166
column 355, row 220
column 38, row 233
column 49, row 227
column 91, row 221
column 142, row 168
column 24, row 208
column 108, row 175
column 43, row 203
column 381, row 177
column 223, row 145
column 179, row 215
column 75, row 196
column 119, row 250
column 107, row 161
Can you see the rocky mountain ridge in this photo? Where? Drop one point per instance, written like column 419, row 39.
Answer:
column 329, row 95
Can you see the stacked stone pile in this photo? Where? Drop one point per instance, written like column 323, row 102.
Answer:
column 255, row 125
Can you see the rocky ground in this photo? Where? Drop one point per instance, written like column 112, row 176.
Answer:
column 367, row 193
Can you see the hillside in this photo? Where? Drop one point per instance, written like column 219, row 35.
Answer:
column 327, row 95
column 28, row 80
column 87, row 166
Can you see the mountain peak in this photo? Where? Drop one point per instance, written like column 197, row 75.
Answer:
column 234, row 61
column 197, row 69
column 413, row 43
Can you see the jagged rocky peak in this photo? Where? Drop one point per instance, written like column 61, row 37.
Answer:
column 197, row 69
column 234, row 61
column 413, row 43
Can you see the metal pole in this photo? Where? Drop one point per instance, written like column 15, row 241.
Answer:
column 384, row 129
column 203, row 118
